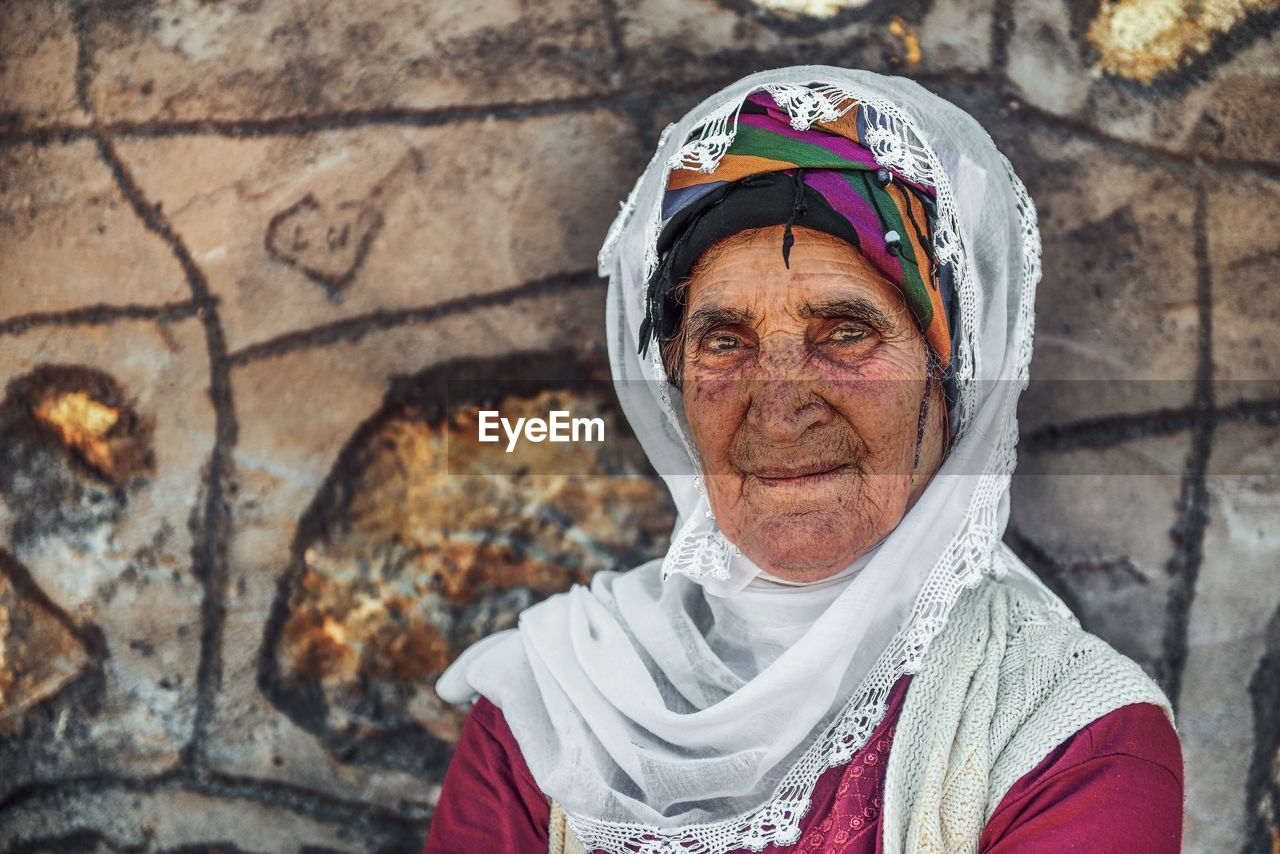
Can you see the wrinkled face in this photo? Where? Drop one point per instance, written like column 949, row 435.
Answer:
column 803, row 390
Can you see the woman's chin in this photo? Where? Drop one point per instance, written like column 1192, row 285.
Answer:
column 810, row 546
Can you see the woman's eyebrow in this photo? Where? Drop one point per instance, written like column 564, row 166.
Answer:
column 710, row 317
column 850, row 308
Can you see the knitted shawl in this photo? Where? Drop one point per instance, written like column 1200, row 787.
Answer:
column 1003, row 684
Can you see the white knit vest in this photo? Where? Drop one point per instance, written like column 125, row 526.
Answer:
column 1004, row 683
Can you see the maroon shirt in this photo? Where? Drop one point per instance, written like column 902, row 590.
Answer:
column 1114, row 786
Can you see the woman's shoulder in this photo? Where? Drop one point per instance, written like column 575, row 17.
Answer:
column 489, row 800
column 1061, row 684
column 486, row 716
column 1140, row 731
column 1117, row 779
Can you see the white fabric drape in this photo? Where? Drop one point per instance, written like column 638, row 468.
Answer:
column 691, row 703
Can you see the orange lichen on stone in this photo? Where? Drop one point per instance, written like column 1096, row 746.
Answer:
column 1141, row 39
column 109, row 439
column 464, row 571
column 910, row 41
column 83, row 423
column 416, row 654
column 316, row 651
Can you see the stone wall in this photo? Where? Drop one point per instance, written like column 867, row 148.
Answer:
column 243, row 245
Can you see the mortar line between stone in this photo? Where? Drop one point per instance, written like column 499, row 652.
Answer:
column 306, row 123
column 338, row 121
column 297, row 799
column 1208, row 167
column 617, row 42
column 101, row 314
column 88, row 634
column 1001, row 31
column 354, row 328
column 1125, row 427
column 636, row 107
column 1193, row 510
column 210, row 528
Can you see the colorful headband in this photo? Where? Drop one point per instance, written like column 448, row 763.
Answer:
column 823, row 178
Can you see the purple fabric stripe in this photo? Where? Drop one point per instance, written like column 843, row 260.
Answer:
column 853, row 207
column 846, row 148
column 782, row 124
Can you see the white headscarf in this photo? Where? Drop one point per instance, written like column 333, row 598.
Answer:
column 694, row 701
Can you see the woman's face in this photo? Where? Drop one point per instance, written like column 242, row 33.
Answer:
column 802, row 388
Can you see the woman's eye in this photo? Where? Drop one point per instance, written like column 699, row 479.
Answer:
column 848, row 335
column 721, row 343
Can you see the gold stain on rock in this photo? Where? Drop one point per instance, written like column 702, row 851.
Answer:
column 1141, row 39
column 83, row 424
column 900, row 29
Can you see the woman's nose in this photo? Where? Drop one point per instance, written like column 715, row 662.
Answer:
column 784, row 402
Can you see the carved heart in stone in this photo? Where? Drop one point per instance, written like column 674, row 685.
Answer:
column 327, row 243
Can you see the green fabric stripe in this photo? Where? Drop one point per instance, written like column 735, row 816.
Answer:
column 757, row 142
column 913, row 285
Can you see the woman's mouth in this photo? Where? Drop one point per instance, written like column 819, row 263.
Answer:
column 809, row 476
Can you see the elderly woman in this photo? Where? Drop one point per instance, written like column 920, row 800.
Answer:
column 819, row 321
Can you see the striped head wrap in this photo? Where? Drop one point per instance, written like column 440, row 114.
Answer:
column 825, row 178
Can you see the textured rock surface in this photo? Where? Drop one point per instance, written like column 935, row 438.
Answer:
column 1262, row 817
column 39, row 652
column 1116, row 315
column 37, row 73
column 69, row 238
column 1141, row 40
column 257, row 260
column 1246, row 312
column 1226, row 634
column 1088, row 65
column 182, row 60
column 409, row 554
column 100, row 479
column 1063, row 524
column 338, row 225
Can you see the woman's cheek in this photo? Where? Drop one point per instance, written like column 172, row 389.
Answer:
column 714, row 408
column 885, row 380
column 716, row 389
